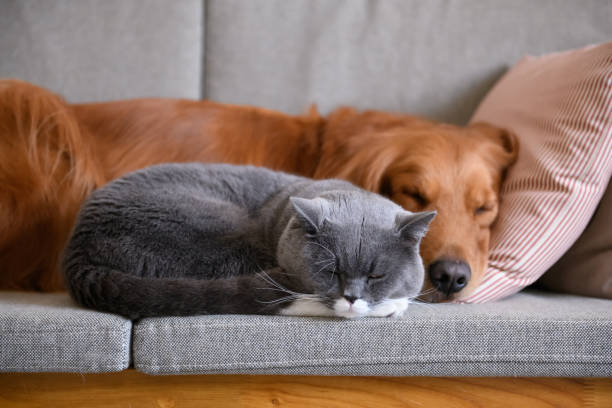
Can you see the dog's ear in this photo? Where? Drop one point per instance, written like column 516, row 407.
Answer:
column 505, row 143
column 359, row 147
column 368, row 165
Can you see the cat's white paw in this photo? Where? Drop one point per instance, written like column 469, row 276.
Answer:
column 390, row 308
column 342, row 308
column 307, row 307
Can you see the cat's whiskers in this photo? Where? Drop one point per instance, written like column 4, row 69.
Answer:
column 290, row 298
column 326, row 260
column 329, row 251
column 293, row 295
column 424, row 296
column 267, row 278
column 427, row 292
column 276, row 286
column 417, row 302
column 327, row 265
column 332, row 274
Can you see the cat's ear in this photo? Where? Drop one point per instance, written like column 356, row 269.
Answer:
column 413, row 226
column 310, row 212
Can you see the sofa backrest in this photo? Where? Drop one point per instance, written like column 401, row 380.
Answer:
column 436, row 57
column 96, row 50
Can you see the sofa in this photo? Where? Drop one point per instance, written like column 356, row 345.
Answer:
column 436, row 58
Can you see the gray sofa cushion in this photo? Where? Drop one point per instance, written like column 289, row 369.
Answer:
column 435, row 57
column 95, row 50
column 48, row 332
column 529, row 334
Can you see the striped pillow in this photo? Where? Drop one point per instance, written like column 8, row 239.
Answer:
column 560, row 107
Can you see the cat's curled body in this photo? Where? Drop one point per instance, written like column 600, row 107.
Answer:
column 181, row 239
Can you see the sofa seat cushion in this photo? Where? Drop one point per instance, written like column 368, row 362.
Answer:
column 50, row 333
column 528, row 334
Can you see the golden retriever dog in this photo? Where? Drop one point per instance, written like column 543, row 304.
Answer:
column 53, row 154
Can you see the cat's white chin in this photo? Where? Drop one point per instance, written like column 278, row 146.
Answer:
column 387, row 308
column 343, row 308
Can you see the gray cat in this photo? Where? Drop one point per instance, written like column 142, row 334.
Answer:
column 181, row 239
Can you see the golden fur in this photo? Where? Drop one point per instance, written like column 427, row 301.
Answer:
column 52, row 155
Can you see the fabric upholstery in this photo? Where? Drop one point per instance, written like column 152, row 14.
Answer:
column 558, row 105
column 528, row 334
column 436, row 57
column 586, row 269
column 50, row 333
column 96, row 50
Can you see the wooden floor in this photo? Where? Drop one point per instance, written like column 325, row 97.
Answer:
column 132, row 389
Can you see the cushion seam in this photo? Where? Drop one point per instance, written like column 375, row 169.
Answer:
column 325, row 362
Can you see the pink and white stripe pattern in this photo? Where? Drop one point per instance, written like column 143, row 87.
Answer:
column 560, row 107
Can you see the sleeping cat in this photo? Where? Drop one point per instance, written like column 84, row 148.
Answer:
column 181, row 239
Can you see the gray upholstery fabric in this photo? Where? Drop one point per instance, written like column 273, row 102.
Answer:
column 530, row 334
column 434, row 57
column 48, row 332
column 94, row 50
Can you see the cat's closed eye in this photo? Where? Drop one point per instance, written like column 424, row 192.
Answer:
column 375, row 277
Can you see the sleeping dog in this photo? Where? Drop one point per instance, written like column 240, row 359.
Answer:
column 54, row 154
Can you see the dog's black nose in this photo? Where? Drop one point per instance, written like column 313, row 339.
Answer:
column 449, row 276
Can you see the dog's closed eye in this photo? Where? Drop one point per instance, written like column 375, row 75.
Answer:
column 480, row 210
column 416, row 196
column 485, row 208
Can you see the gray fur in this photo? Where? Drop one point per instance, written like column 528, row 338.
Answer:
column 180, row 239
